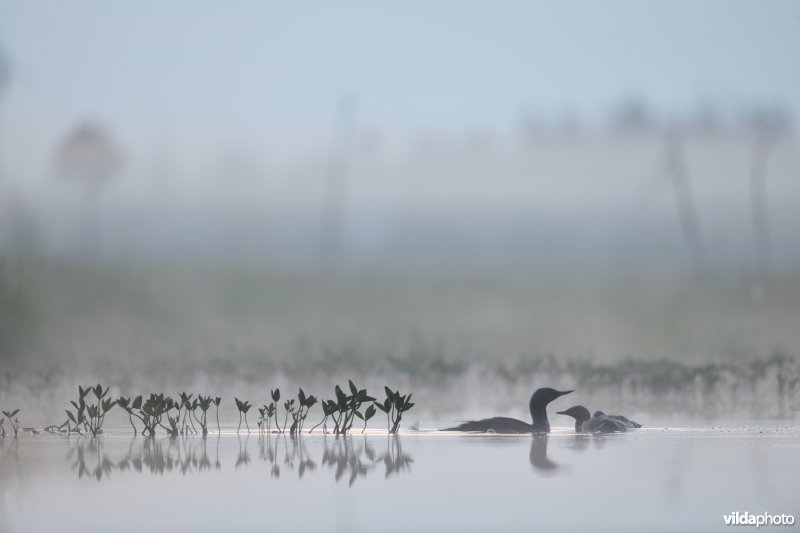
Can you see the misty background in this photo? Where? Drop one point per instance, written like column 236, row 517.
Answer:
column 597, row 195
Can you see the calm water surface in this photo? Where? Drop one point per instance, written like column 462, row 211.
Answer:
column 649, row 479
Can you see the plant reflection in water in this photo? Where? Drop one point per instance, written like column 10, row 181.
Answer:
column 347, row 456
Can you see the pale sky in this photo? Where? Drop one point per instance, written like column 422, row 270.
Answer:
column 234, row 70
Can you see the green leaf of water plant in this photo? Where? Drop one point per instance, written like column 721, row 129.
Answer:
column 71, row 417
column 370, row 412
column 302, row 397
column 359, row 415
column 362, row 396
column 276, row 395
column 407, row 402
column 340, row 395
column 13, row 413
column 389, row 392
column 98, row 391
column 353, row 388
column 137, row 402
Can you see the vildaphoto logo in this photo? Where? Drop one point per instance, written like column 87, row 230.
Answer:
column 765, row 519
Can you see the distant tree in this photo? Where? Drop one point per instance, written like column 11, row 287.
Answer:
column 632, row 114
column 705, row 118
column 765, row 120
column 88, row 155
column 332, row 221
column 769, row 125
column 687, row 212
column 5, row 73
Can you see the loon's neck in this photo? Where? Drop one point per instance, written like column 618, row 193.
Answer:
column 540, row 422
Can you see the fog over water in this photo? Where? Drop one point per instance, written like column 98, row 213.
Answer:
column 516, row 198
column 245, row 224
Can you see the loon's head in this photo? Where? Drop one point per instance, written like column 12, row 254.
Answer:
column 579, row 413
column 544, row 396
column 538, row 405
column 598, row 414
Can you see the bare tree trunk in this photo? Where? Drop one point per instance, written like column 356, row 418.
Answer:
column 760, row 208
column 687, row 212
column 332, row 221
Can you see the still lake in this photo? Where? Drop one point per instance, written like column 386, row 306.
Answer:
column 650, row 479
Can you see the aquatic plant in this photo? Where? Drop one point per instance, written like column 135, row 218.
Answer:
column 368, row 413
column 394, row 406
column 125, row 403
column 204, row 403
column 150, row 412
column 174, row 428
column 288, row 407
column 11, row 415
column 157, row 410
column 348, row 407
column 299, row 415
column 90, row 416
column 217, row 401
column 262, row 413
column 265, row 414
column 276, row 396
column 329, row 407
column 185, row 404
column 243, row 408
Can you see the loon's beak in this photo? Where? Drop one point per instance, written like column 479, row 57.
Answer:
column 562, row 393
column 561, row 413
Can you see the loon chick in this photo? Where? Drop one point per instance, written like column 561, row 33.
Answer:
column 600, row 422
column 502, row 424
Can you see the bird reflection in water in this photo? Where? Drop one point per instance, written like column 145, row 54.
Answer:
column 544, row 465
column 538, row 455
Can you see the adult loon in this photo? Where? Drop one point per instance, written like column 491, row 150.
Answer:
column 502, row 424
column 599, row 422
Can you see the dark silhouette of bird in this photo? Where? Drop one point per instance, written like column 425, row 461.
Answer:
column 502, row 424
column 599, row 422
